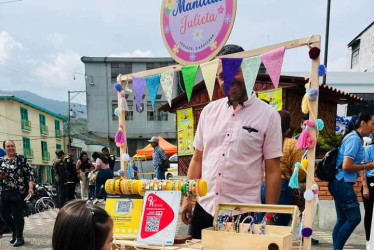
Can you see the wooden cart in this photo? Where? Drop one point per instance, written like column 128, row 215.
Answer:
column 276, row 237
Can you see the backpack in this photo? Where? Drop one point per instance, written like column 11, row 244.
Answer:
column 326, row 168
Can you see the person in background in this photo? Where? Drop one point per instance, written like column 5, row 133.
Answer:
column 2, row 152
column 367, row 191
column 135, row 169
column 291, row 155
column 72, row 175
column 84, row 165
column 104, row 173
column 159, row 158
column 237, row 138
column 349, row 159
column 111, row 158
column 82, row 226
column 61, row 178
column 91, row 184
column 17, row 181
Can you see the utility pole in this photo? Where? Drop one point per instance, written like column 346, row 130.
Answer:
column 327, row 38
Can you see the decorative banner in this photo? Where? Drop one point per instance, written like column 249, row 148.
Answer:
column 185, row 128
column 250, row 68
column 274, row 97
column 153, row 82
column 273, row 61
column 167, row 81
column 229, row 67
column 189, row 76
column 139, row 86
column 126, row 215
column 195, row 31
column 209, row 71
column 159, row 217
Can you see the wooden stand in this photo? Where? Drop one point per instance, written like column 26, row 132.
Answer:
column 280, row 236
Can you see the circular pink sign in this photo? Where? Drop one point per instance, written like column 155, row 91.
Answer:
column 194, row 31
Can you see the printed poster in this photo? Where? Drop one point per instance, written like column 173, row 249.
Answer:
column 159, row 217
column 185, row 127
column 274, row 97
column 126, row 214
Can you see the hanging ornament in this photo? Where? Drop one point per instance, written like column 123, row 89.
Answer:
column 117, row 87
column 294, row 180
column 308, row 195
column 313, row 94
column 123, row 105
column 115, row 112
column 304, row 141
column 121, row 173
column 314, row 53
column 319, row 125
column 304, row 164
column 315, row 189
column 306, row 232
column 125, row 157
column 120, row 137
column 321, row 70
column 305, row 103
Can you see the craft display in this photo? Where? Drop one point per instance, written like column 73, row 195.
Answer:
column 237, row 225
column 189, row 188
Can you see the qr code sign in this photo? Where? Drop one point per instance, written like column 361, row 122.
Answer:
column 152, row 224
column 124, row 207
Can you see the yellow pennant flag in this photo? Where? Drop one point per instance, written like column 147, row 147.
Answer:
column 209, row 71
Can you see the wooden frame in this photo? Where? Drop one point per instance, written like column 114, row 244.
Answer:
column 314, row 41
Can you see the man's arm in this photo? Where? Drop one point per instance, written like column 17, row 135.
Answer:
column 194, row 172
column 273, row 180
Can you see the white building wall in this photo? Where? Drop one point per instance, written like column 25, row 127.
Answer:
column 366, row 54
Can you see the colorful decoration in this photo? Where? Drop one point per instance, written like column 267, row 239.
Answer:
column 125, row 157
column 250, row 68
column 306, row 232
column 314, row 53
column 308, row 195
column 230, row 66
column 321, row 70
column 294, row 180
column 153, row 82
column 304, row 164
column 123, row 105
column 315, row 189
column 120, row 139
column 306, row 141
column 117, row 87
column 121, row 172
column 273, row 61
column 139, row 86
column 305, row 103
column 319, row 125
column 189, row 76
column 167, row 81
column 313, row 94
column 115, row 112
column 209, row 71
column 273, row 96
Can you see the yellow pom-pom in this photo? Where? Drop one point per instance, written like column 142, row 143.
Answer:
column 304, row 164
column 305, row 104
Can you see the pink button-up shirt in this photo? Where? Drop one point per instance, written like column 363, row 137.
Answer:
column 233, row 159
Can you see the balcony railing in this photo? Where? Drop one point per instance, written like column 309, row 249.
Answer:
column 26, row 125
column 28, row 153
column 45, row 156
column 43, row 129
column 58, row 134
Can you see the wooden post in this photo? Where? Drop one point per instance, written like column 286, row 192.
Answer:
column 314, row 79
column 122, row 121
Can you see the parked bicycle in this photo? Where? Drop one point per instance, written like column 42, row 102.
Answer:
column 45, row 198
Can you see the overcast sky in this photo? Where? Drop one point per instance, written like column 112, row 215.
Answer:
column 41, row 41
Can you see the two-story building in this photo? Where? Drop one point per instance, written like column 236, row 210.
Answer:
column 36, row 131
column 141, row 123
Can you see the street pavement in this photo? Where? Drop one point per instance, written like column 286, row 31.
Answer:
column 39, row 227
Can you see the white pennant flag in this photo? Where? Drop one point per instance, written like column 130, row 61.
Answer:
column 250, row 68
column 167, row 81
column 209, row 71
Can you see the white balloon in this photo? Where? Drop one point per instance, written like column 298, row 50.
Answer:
column 125, row 157
column 308, row 195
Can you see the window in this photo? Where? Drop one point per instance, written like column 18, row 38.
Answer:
column 58, row 132
column 129, row 115
column 43, row 126
column 27, row 151
column 153, row 114
column 25, row 123
column 120, row 68
column 355, row 53
column 155, row 65
column 366, row 105
column 58, row 146
column 45, row 153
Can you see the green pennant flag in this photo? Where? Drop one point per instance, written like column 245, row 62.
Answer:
column 189, row 76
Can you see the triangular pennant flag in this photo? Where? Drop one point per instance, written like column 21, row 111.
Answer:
column 153, row 82
column 273, row 61
column 250, row 67
column 167, row 81
column 189, row 76
column 230, row 66
column 139, row 86
column 209, row 71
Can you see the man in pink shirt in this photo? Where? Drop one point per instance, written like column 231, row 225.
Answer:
column 235, row 136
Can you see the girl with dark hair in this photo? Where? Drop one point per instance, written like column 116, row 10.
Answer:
column 84, row 167
column 105, row 173
column 82, row 226
column 291, row 155
column 349, row 159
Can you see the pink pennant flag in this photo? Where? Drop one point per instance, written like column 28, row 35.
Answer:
column 273, row 61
